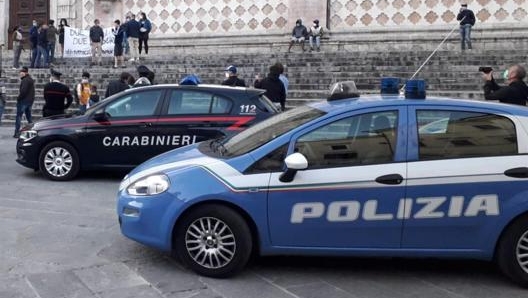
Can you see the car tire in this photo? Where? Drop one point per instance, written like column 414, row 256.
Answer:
column 213, row 240
column 512, row 251
column 59, row 161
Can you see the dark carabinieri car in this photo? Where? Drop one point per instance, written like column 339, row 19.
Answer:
column 130, row 127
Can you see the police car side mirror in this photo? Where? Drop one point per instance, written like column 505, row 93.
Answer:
column 100, row 115
column 294, row 162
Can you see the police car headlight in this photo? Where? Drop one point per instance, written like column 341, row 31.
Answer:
column 27, row 135
column 150, row 185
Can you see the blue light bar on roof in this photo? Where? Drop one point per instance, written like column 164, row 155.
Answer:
column 390, row 85
column 415, row 89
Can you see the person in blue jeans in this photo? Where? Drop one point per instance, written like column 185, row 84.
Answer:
column 33, row 38
column 467, row 20
column 3, row 99
column 42, row 47
column 25, row 99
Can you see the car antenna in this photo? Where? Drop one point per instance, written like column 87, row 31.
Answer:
column 432, row 54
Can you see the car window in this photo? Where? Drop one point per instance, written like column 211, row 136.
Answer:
column 269, row 129
column 459, row 134
column 135, row 104
column 195, row 102
column 362, row 139
column 271, row 162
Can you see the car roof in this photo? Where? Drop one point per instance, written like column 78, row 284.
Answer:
column 369, row 101
column 210, row 87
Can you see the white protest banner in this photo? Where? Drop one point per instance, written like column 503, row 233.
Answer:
column 77, row 43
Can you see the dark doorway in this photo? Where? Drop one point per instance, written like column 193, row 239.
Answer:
column 22, row 13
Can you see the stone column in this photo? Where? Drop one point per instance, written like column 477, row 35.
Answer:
column 307, row 11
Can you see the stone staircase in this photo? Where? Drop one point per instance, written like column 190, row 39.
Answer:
column 448, row 73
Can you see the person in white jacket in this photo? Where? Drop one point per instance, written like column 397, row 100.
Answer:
column 316, row 32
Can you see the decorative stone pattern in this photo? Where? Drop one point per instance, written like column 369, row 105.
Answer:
column 226, row 17
column 212, row 16
column 351, row 14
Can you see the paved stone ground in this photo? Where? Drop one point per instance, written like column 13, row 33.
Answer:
column 63, row 240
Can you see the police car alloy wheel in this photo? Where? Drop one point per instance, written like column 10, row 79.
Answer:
column 512, row 252
column 59, row 161
column 213, row 240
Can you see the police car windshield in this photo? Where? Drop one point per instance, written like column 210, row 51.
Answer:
column 267, row 130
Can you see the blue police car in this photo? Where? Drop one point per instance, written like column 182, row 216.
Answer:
column 350, row 177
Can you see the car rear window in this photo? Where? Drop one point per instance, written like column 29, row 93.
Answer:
column 459, row 134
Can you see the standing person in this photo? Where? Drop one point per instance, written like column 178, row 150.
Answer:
column 25, row 99
column 33, row 39
column 282, row 77
column 63, row 23
column 119, row 35
column 55, row 93
column 232, row 78
column 126, row 45
column 17, row 46
column 52, row 33
column 274, row 87
column 96, row 40
column 117, row 86
column 316, row 32
column 83, row 91
column 42, row 47
column 132, row 32
column 299, row 34
column 467, row 20
column 144, row 29
column 3, row 99
column 515, row 93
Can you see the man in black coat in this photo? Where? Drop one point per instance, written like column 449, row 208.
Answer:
column 273, row 85
column 467, row 20
column 25, row 99
column 232, row 77
column 55, row 93
column 515, row 93
column 96, row 41
column 117, row 86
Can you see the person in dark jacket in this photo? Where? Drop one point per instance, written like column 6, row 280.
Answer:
column 63, row 23
column 42, row 47
column 232, row 78
column 299, row 34
column 515, row 93
column 144, row 30
column 117, row 86
column 119, row 35
column 132, row 33
column 25, row 99
column 55, row 93
column 52, row 33
column 273, row 85
column 96, row 40
column 467, row 20
column 33, row 39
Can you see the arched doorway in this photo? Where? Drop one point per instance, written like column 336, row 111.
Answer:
column 23, row 12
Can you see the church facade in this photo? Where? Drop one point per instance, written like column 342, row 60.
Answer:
column 189, row 19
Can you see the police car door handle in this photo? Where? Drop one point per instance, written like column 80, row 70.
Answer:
column 145, row 124
column 521, row 172
column 391, row 179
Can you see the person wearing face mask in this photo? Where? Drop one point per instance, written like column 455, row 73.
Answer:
column 232, row 78
column 316, row 32
column 299, row 34
column 83, row 91
column 55, row 93
column 515, row 93
column 119, row 35
column 25, row 99
column 17, row 46
column 33, row 39
column 144, row 29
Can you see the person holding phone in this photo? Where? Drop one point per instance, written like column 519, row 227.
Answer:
column 467, row 21
column 515, row 93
